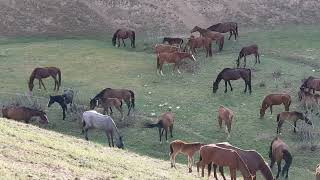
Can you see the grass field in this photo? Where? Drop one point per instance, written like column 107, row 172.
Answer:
column 89, row 65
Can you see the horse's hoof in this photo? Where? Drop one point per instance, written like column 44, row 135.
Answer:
column 190, row 170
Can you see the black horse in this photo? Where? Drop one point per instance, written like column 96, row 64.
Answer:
column 63, row 100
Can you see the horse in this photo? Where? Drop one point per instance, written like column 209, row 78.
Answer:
column 308, row 99
column 173, row 41
column 226, row 115
column 188, row 149
column 248, row 50
column 318, row 172
column 215, row 36
column 111, row 102
column 122, row 94
column 199, row 42
column 20, row 113
column 293, row 116
column 212, row 154
column 94, row 120
column 165, row 123
column 228, row 74
column 172, row 58
column 278, row 151
column 124, row 34
column 231, row 27
column 45, row 72
column 275, row 99
column 63, row 100
column 311, row 83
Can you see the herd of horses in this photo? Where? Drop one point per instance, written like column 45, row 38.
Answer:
column 171, row 51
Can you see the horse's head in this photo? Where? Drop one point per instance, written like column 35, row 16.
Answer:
column 93, row 103
column 51, row 101
column 214, row 87
column 262, row 112
column 196, row 28
column 119, row 143
column 31, row 85
column 44, row 118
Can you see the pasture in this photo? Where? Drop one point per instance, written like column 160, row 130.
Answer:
column 288, row 54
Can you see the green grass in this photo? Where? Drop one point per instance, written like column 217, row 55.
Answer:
column 89, row 65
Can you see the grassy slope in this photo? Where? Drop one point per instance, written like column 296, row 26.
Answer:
column 91, row 65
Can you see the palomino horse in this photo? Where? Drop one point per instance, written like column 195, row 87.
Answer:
column 173, row 41
column 24, row 114
column 226, row 115
column 318, row 172
column 229, row 74
column 311, row 83
column 215, row 36
column 94, row 120
column 121, row 94
column 248, row 50
column 188, row 149
column 124, row 34
column 223, row 157
column 225, row 27
column 109, row 103
column 278, row 151
column 308, row 99
column 293, row 116
column 275, row 99
column 199, row 42
column 172, row 58
column 165, row 123
column 45, row 72
column 161, row 48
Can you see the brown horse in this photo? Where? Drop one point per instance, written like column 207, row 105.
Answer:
column 199, row 42
column 292, row 116
column 226, row 115
column 308, row 99
column 278, row 151
column 188, row 149
column 231, row 27
column 215, row 36
column 124, row 34
column 23, row 114
column 275, row 99
column 161, row 48
column 173, row 41
column 165, row 123
column 109, row 103
column 172, row 58
column 248, row 50
column 45, row 72
column 229, row 74
column 311, row 83
column 318, row 172
column 223, row 157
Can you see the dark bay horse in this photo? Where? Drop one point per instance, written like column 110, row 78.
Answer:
column 248, row 50
column 231, row 27
column 124, row 34
column 45, row 72
column 311, row 83
column 275, row 99
column 173, row 41
column 23, row 114
column 199, row 42
column 278, row 151
column 215, row 36
column 292, row 116
column 229, row 74
column 63, row 100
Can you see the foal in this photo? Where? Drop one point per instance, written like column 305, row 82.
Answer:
column 275, row 99
column 293, row 116
column 226, row 115
column 108, row 103
column 248, row 50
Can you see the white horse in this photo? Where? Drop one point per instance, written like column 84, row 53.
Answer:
column 94, row 120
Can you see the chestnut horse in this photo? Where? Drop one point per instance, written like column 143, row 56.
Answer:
column 45, row 72
column 199, row 42
column 225, row 27
column 173, row 41
column 165, row 123
column 108, row 103
column 278, row 151
column 292, row 116
column 318, row 172
column 311, row 83
column 188, row 149
column 124, row 34
column 172, row 58
column 228, row 74
column 161, row 48
column 23, row 114
column 275, row 99
column 215, row 36
column 248, row 50
column 226, row 115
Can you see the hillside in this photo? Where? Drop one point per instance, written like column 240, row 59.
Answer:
column 61, row 17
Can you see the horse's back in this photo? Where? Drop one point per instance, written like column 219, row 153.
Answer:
column 97, row 120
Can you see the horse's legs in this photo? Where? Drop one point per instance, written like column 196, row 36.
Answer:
column 121, row 111
column 295, row 126
column 279, row 127
column 226, row 86
column 246, row 85
column 221, row 172
column 171, row 128
column 106, row 111
column 111, row 134
column 123, row 43
column 64, row 112
column 118, row 42
column 189, row 164
column 230, row 85
column 271, row 109
column 39, row 84
column 174, row 68
column 230, row 35
column 108, row 137
column 161, row 65
column 160, row 134
column 166, row 130
column 272, row 162
column 279, row 169
column 43, row 84
column 86, row 134
column 202, row 168
column 111, row 112
column 245, row 61
column 215, row 171
column 220, row 121
column 209, row 169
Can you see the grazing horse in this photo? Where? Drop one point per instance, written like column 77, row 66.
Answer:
column 292, row 116
column 63, row 100
column 308, row 99
column 23, row 114
column 173, row 41
column 165, row 123
column 278, row 151
column 94, row 120
column 199, row 42
column 229, row 74
column 121, row 94
column 109, row 103
column 226, row 115
column 215, row 36
column 318, row 172
column 275, row 99
column 45, row 72
column 161, row 48
column 188, row 149
column 231, row 27
column 172, row 58
column 248, row 50
column 311, row 83
column 124, row 34
column 212, row 154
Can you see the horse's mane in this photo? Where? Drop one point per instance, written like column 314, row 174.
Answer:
column 245, row 165
column 101, row 93
column 31, row 78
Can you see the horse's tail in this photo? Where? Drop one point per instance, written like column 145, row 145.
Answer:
column 132, row 98
column 288, row 158
column 278, row 117
column 171, row 149
column 150, row 125
column 270, row 150
column 210, row 49
column 114, row 38
column 83, row 125
column 133, row 39
column 158, row 62
column 221, row 43
column 59, row 78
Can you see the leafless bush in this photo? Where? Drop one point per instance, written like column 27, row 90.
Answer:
column 287, row 84
column 190, row 67
column 28, row 101
column 262, row 84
